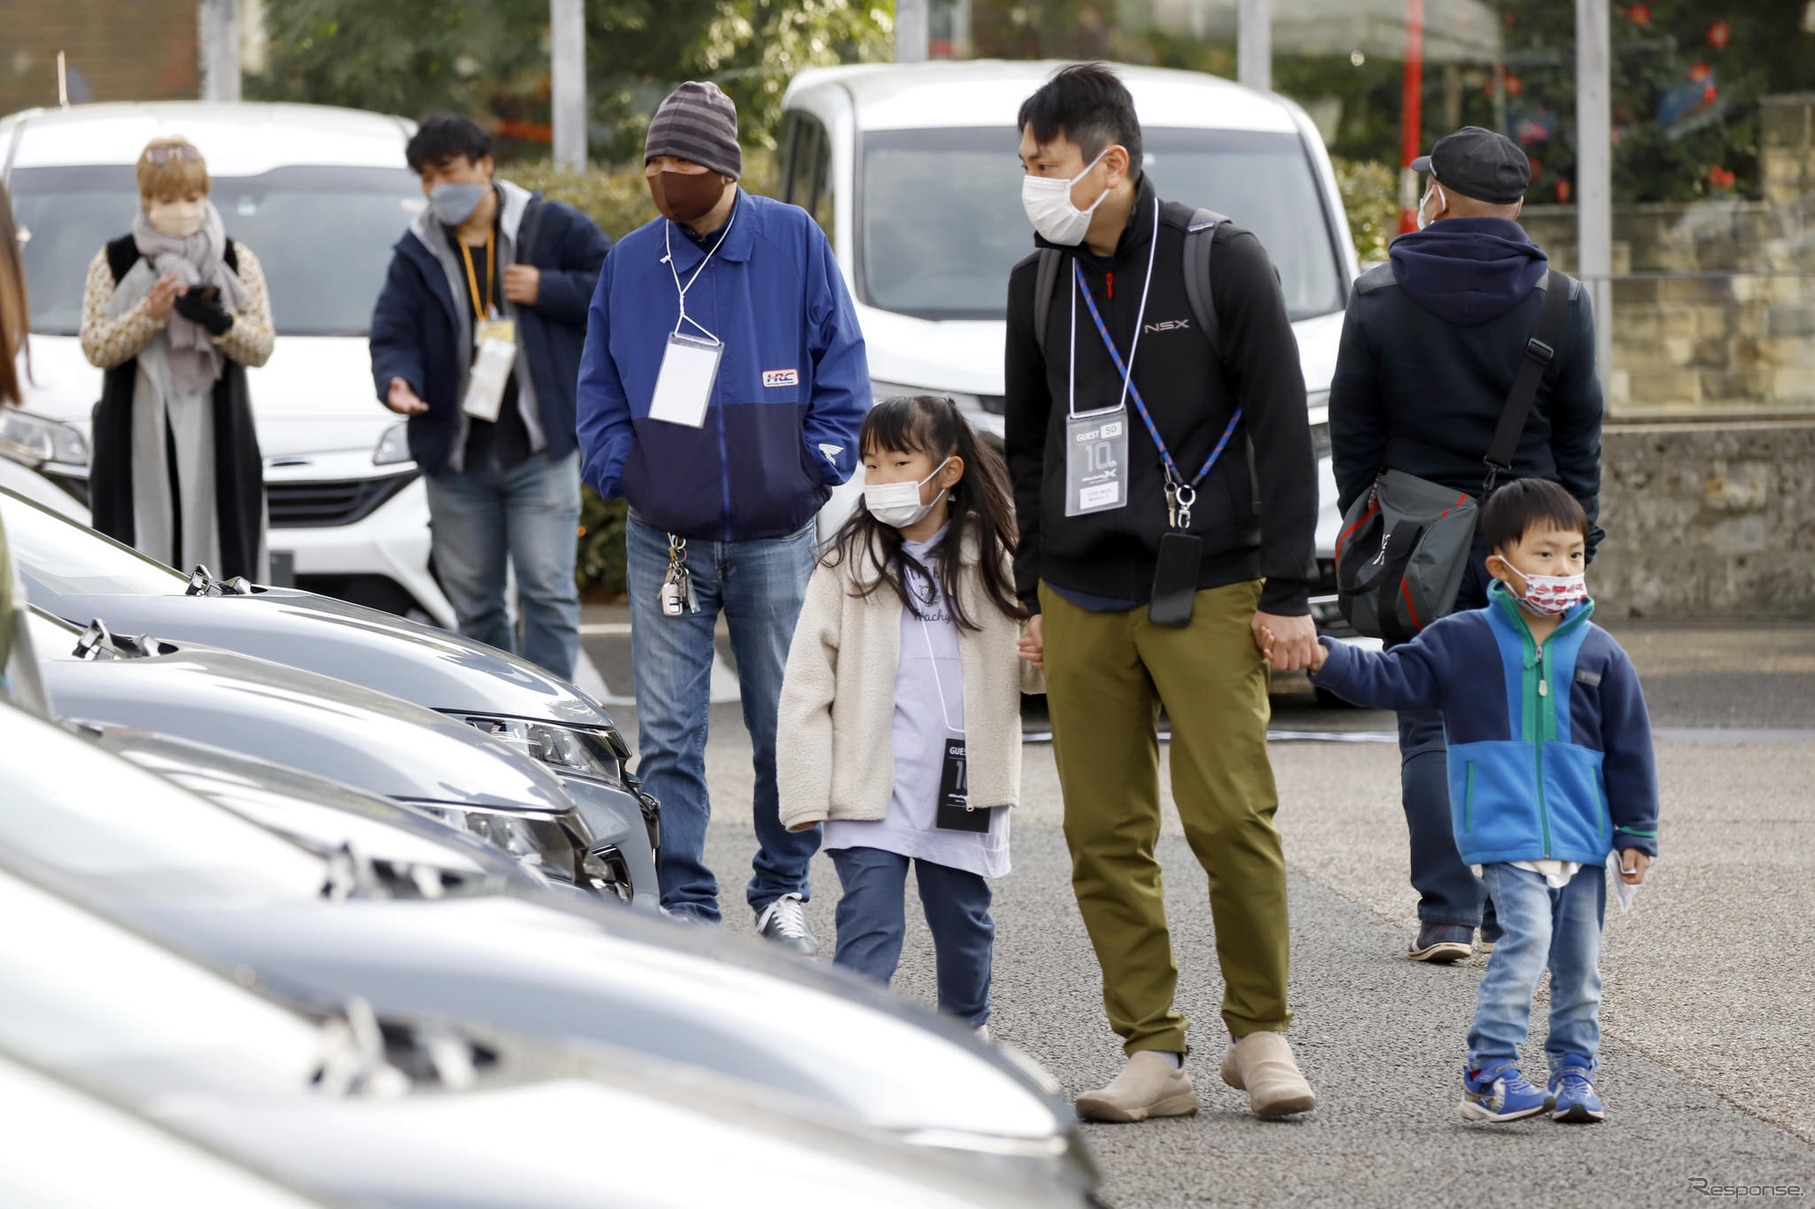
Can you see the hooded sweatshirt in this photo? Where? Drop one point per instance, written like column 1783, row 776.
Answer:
column 1430, row 346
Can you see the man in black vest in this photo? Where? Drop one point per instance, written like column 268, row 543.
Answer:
column 1166, row 514
column 1430, row 347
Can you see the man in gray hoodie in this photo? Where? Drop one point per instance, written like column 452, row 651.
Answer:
column 477, row 338
column 1430, row 346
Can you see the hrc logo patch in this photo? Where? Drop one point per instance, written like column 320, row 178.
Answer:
column 781, row 377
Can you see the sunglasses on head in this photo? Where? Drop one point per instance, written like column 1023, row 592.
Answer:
column 164, row 154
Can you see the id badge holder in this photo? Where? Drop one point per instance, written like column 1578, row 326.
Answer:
column 1096, row 462
column 486, row 382
column 683, row 387
column 955, row 811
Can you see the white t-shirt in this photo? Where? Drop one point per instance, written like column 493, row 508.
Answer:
column 928, row 672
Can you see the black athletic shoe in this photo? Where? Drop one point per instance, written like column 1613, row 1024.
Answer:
column 1443, row 943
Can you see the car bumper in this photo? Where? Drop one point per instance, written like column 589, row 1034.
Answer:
column 336, row 516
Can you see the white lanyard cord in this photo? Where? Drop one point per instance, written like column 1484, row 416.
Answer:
column 938, row 684
column 668, row 247
column 1140, row 318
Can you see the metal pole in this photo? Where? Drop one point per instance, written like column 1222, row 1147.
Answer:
column 1411, row 115
column 567, row 70
column 1594, row 171
column 217, row 35
column 1254, row 46
column 911, row 33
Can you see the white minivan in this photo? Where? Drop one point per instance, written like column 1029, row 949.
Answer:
column 912, row 171
column 320, row 194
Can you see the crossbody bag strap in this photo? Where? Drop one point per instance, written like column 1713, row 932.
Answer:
column 1539, row 352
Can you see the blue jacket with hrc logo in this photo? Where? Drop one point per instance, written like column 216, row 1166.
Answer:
column 792, row 388
column 1549, row 747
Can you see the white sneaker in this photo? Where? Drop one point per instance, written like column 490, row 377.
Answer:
column 983, row 1033
column 784, row 922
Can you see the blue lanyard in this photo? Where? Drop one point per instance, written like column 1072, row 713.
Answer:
column 1132, row 391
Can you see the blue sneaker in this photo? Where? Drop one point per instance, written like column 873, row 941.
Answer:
column 1573, row 1098
column 1500, row 1093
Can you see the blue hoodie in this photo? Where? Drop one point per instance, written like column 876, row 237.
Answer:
column 1549, row 747
column 1468, row 270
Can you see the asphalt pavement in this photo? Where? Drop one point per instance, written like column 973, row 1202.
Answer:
column 1709, row 1008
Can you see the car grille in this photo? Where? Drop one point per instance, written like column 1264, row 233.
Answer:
column 321, row 503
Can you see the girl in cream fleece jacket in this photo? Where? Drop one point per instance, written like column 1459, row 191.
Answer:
column 900, row 722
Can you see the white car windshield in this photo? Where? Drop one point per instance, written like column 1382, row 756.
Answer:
column 941, row 223
column 322, row 234
column 65, row 559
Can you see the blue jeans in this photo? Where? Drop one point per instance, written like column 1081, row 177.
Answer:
column 1448, row 892
column 529, row 514
column 1542, row 927
column 760, row 586
column 872, row 919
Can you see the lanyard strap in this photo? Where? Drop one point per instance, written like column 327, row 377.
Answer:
column 1140, row 319
column 1129, row 389
column 480, row 308
column 668, row 247
column 938, row 684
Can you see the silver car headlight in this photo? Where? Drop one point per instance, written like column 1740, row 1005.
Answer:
column 393, row 446
column 35, row 440
column 567, row 750
column 541, row 843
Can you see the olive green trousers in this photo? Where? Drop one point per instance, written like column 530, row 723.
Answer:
column 1107, row 676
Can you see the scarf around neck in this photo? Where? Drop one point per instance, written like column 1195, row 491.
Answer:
column 195, row 361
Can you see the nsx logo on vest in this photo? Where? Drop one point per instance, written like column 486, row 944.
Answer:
column 781, row 377
column 1170, row 325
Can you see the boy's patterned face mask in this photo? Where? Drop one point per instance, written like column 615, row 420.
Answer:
column 1552, row 594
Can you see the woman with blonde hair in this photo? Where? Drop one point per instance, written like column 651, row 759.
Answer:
column 175, row 312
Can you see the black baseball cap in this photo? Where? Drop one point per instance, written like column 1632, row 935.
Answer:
column 1480, row 164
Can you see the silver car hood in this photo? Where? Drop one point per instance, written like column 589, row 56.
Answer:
column 77, row 574
column 289, row 717
column 534, row 970
column 320, row 814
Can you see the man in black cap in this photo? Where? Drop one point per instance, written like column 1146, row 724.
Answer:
column 1430, row 346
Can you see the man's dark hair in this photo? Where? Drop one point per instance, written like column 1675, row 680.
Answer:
column 441, row 137
column 1088, row 104
column 1526, row 504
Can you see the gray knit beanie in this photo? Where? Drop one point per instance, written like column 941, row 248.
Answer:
column 697, row 123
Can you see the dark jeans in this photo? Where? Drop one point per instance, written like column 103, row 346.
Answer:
column 1448, row 892
column 759, row 585
column 872, row 919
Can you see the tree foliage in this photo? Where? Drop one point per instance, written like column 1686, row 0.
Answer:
column 489, row 58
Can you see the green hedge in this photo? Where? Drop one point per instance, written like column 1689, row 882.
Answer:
column 1370, row 195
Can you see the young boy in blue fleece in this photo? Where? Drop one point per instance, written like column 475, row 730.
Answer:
column 1550, row 768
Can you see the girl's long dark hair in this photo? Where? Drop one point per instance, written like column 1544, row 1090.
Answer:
column 979, row 504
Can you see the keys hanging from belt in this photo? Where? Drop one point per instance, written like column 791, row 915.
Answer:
column 677, row 586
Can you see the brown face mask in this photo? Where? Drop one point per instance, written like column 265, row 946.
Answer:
column 686, row 196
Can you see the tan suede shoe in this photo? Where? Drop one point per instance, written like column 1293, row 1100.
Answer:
column 1147, row 1087
column 1262, row 1065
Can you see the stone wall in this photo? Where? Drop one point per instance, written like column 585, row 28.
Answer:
column 1714, row 301
column 1707, row 520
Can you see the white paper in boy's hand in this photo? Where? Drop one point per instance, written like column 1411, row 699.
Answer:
column 1622, row 890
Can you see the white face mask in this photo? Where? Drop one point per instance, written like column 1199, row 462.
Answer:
column 898, row 504
column 179, row 220
column 1442, row 201
column 1047, row 200
column 1552, row 594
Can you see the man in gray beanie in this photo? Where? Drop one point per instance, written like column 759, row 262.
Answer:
column 721, row 391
